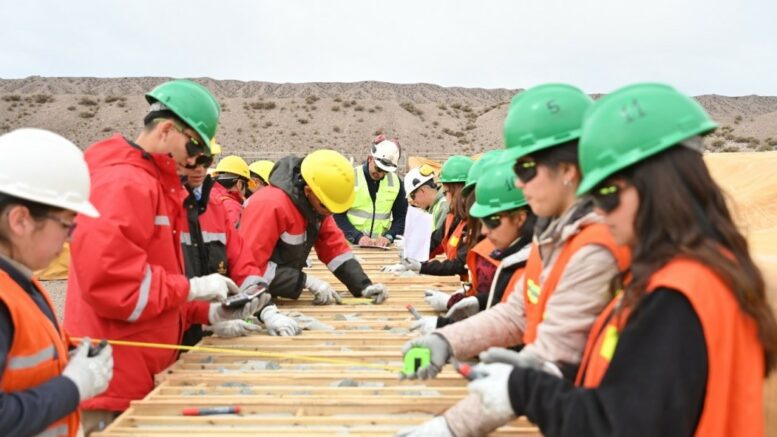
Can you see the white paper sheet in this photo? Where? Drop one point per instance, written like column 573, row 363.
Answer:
column 418, row 231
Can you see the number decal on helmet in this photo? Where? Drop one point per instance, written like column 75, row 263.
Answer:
column 632, row 112
column 552, row 106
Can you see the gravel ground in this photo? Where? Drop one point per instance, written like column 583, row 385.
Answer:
column 56, row 290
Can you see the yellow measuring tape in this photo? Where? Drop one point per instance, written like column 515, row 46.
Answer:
column 219, row 350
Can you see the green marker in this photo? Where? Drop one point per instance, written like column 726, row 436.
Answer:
column 415, row 359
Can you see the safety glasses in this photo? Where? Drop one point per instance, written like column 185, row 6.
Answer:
column 193, row 146
column 525, row 169
column 69, row 227
column 606, row 196
column 492, row 222
column 202, row 160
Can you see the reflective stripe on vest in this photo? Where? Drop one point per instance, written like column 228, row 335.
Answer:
column 733, row 399
column 373, row 219
column 482, row 249
column 536, row 294
column 38, row 352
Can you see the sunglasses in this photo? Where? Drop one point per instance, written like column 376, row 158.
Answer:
column 193, row 146
column 492, row 222
column 525, row 170
column 606, row 197
column 70, row 227
column 202, row 160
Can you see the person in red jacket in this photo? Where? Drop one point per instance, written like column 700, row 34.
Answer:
column 234, row 182
column 286, row 219
column 212, row 245
column 126, row 279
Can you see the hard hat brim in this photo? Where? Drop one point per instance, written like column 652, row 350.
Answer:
column 390, row 169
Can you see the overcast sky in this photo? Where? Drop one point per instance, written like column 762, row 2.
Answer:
column 700, row 46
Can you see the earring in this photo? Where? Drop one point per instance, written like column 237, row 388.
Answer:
column 566, row 182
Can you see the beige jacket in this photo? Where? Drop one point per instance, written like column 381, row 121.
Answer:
column 581, row 294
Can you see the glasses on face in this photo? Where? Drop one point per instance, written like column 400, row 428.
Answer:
column 606, row 197
column 525, row 170
column 194, row 147
column 492, row 222
column 68, row 226
column 202, row 160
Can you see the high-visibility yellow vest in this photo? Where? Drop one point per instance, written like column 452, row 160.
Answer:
column 373, row 219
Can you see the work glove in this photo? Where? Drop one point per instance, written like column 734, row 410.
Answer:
column 219, row 313
column 526, row 358
column 437, row 299
column 464, row 308
column 425, row 325
column 377, row 292
column 440, row 352
column 323, row 293
column 437, row 427
column 493, row 391
column 91, row 375
column 394, row 268
column 399, row 242
column 211, row 287
column 278, row 324
column 412, row 265
column 236, row 328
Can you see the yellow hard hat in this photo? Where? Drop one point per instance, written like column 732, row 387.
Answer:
column 215, row 148
column 235, row 165
column 262, row 168
column 330, row 176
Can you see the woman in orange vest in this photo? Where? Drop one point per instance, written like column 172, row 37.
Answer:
column 507, row 225
column 41, row 383
column 572, row 259
column 449, row 239
column 685, row 346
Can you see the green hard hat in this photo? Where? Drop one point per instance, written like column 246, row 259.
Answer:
column 192, row 103
column 541, row 117
column 634, row 123
column 455, row 169
column 496, row 191
column 477, row 169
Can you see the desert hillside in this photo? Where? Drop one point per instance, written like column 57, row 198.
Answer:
column 263, row 119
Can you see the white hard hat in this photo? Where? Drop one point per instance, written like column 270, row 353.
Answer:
column 417, row 177
column 44, row 167
column 386, row 155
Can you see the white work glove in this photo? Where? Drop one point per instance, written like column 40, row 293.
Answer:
column 394, row 268
column 377, row 292
column 211, row 287
column 278, row 324
column 235, row 328
column 493, row 392
column 437, row 427
column 464, row 308
column 399, row 242
column 437, row 299
column 412, row 265
column 526, row 358
column 323, row 293
column 425, row 325
column 91, row 375
column 218, row 313
column 440, row 352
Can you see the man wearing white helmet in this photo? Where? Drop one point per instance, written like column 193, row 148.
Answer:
column 377, row 215
column 423, row 193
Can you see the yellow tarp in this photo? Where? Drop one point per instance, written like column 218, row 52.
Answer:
column 58, row 269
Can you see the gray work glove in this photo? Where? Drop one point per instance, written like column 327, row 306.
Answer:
column 377, row 292
column 440, row 352
column 399, row 242
column 278, row 324
column 235, row 328
column 437, row 299
column 493, row 391
column 425, row 325
column 412, row 265
column 464, row 308
column 212, row 287
column 526, row 358
column 394, row 268
column 218, row 313
column 323, row 293
column 437, row 427
column 91, row 375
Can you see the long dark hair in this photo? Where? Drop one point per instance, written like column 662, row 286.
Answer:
column 683, row 212
column 473, row 224
column 458, row 202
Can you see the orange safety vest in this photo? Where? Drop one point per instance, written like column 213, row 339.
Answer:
column 38, row 352
column 733, row 399
column 513, row 282
column 536, row 296
column 451, row 241
column 482, row 249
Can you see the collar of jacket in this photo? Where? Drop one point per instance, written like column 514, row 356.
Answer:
column 17, row 271
column 514, row 247
column 286, row 176
column 559, row 230
column 202, row 204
